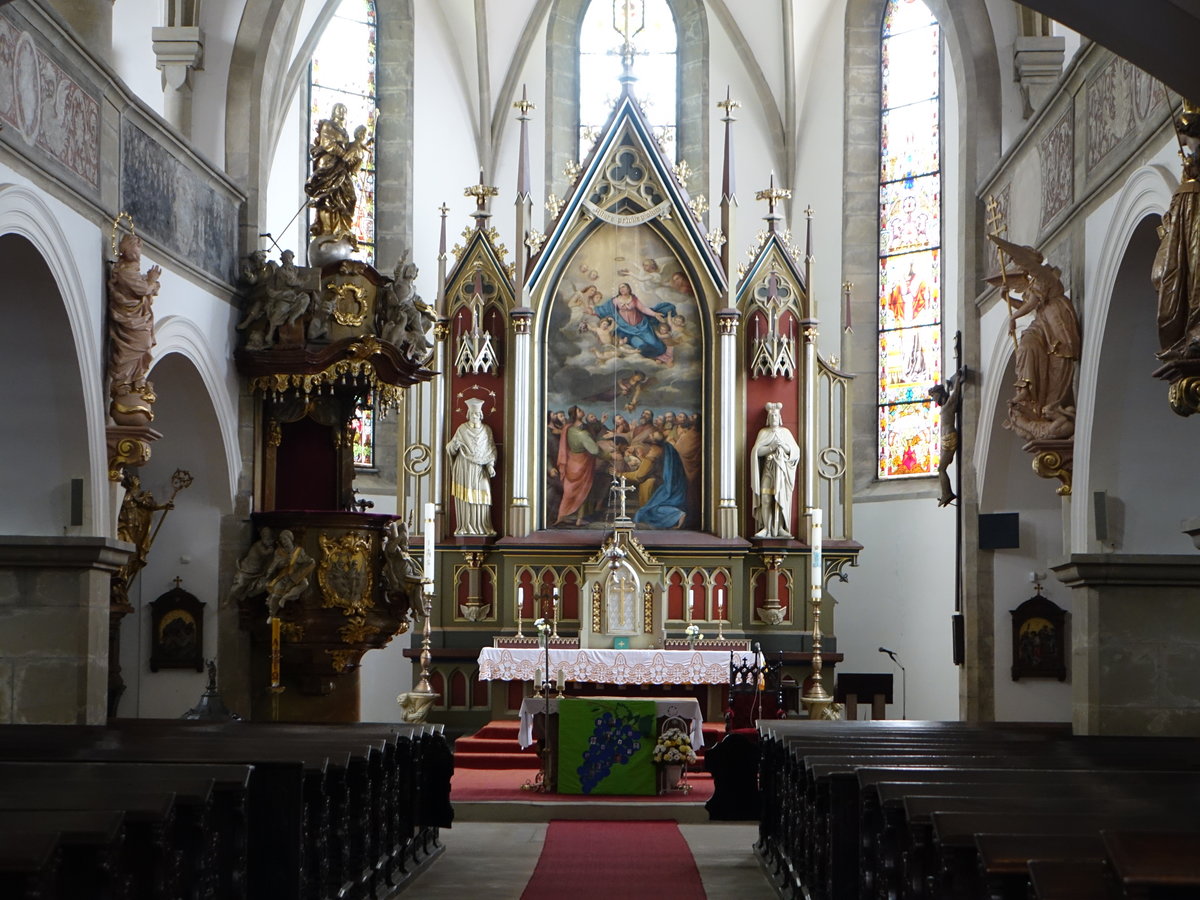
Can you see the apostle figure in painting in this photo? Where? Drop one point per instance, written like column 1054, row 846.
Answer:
column 636, row 323
column 1048, row 348
column 250, row 578
column 662, row 484
column 576, row 468
column 131, row 329
column 1176, row 270
column 472, row 454
column 773, row 464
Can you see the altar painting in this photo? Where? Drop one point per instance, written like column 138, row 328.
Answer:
column 624, row 385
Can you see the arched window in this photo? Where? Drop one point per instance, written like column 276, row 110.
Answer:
column 910, row 196
column 651, row 30
column 343, row 71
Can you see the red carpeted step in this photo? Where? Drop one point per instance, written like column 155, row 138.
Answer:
column 519, row 760
column 488, row 745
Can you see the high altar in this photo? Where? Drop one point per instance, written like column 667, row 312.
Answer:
column 623, row 433
column 664, row 436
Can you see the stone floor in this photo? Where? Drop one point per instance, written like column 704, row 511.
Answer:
column 494, row 860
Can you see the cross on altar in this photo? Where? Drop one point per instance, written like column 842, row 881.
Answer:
column 620, row 487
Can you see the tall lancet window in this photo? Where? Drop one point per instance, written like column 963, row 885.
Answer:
column 910, row 238
column 650, row 29
column 343, row 71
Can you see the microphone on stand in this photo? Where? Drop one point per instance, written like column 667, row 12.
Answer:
column 903, row 682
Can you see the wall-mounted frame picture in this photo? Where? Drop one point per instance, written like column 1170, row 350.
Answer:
column 1039, row 640
column 177, row 631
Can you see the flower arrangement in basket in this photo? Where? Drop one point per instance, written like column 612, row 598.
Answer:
column 674, row 746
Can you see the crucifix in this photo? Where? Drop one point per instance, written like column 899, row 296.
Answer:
column 623, row 13
column 620, row 487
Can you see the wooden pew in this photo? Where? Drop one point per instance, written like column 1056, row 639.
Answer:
column 338, row 821
column 1155, row 863
column 71, row 853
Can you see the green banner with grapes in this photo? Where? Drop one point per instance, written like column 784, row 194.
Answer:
column 606, row 747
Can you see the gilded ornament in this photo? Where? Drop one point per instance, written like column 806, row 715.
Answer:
column 345, row 573
column 647, row 608
column 698, row 205
column 596, row 611
column 356, row 630
column 683, row 172
column 292, row 631
column 1184, row 395
column 534, row 241
column 350, row 307
column 127, row 453
column 553, row 205
column 341, row 660
column 417, row 459
column 572, row 170
column 1053, row 464
column 716, row 239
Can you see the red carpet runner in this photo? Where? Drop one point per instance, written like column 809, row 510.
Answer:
column 589, row 860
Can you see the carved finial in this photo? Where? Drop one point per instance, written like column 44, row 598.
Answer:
column 773, row 195
column 482, row 193
column 524, row 104
column 728, row 105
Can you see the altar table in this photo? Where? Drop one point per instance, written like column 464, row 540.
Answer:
column 683, row 707
column 596, row 666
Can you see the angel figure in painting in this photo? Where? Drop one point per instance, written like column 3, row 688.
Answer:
column 1176, row 270
column 472, row 453
column 1049, row 347
column 773, row 462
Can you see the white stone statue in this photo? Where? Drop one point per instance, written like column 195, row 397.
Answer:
column 472, row 454
column 773, row 476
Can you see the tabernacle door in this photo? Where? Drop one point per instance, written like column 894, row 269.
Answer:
column 623, row 585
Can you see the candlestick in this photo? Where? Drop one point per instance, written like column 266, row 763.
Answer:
column 520, row 613
column 554, row 619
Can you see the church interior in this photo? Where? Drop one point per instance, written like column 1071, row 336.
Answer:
column 447, row 376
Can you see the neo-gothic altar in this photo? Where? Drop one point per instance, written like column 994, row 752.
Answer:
column 634, row 436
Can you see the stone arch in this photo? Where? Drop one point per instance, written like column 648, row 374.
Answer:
column 562, row 73
column 175, row 334
column 1143, row 199
column 36, row 248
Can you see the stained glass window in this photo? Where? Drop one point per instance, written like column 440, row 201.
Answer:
column 654, row 41
column 910, row 236
column 362, row 427
column 343, row 71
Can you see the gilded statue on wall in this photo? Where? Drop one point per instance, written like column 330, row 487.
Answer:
column 472, row 453
column 336, row 159
column 1043, row 404
column 131, row 295
column 773, row 462
column 1176, row 270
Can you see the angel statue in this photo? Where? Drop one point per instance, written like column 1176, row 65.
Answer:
column 1176, row 270
column 1047, row 349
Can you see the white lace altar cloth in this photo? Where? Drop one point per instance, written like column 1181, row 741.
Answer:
column 687, row 708
column 607, row 666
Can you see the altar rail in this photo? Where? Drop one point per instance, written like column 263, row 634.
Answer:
column 173, row 809
column 949, row 810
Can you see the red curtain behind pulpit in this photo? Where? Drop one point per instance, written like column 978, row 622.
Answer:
column 306, row 467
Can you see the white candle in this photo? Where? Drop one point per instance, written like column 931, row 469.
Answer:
column 720, row 603
column 815, row 541
column 562, row 680
column 430, row 517
column 537, row 676
column 554, row 595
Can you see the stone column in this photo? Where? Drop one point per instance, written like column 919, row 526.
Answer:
column 520, row 514
column 1134, row 633
column 54, row 598
column 727, row 511
column 178, row 51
